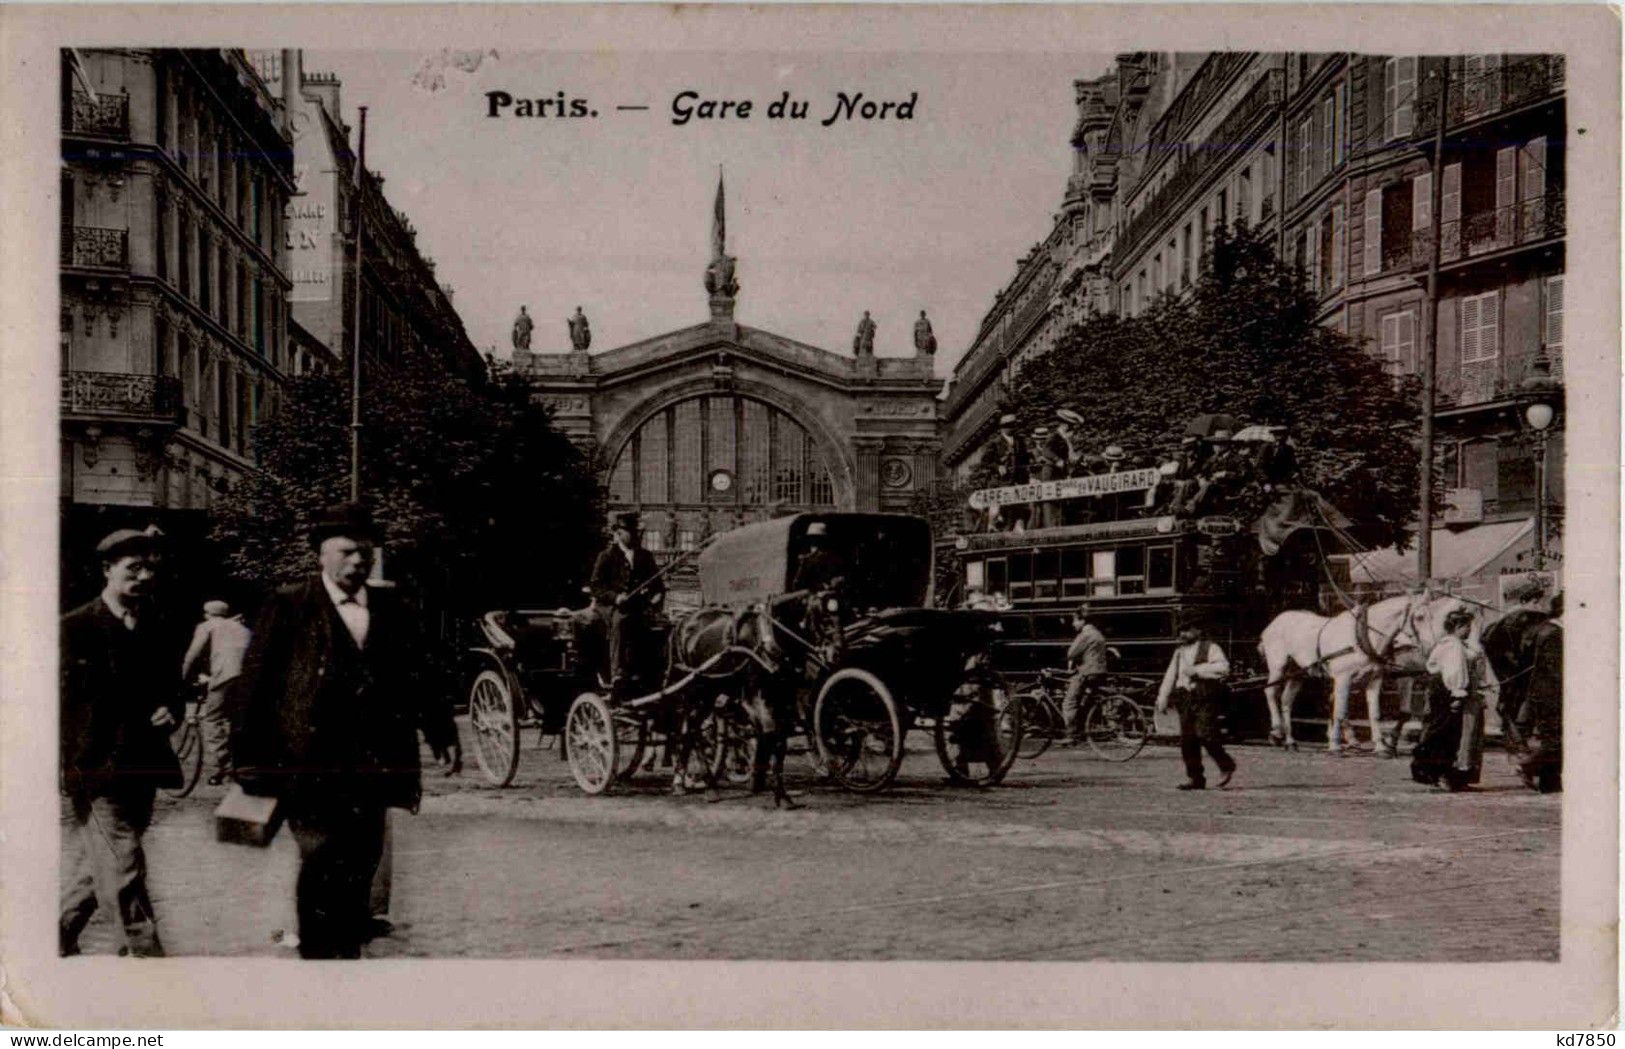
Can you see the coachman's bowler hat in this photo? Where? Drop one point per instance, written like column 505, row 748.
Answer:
column 351, row 520
column 628, row 521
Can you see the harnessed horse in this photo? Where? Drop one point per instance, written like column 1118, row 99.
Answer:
column 741, row 656
column 1355, row 649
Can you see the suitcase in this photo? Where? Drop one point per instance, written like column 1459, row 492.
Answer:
column 246, row 819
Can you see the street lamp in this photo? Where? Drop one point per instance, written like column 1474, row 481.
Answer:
column 1542, row 390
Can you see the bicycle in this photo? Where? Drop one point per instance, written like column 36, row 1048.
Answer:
column 1114, row 725
column 187, row 740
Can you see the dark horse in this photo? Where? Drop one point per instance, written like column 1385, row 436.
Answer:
column 1525, row 648
column 754, row 659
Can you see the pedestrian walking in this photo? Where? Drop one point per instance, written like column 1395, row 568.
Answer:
column 222, row 640
column 120, row 698
column 1086, row 657
column 1451, row 749
column 1194, row 682
column 333, row 693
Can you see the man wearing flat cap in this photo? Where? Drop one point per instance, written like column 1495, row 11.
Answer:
column 120, row 698
column 333, row 693
column 626, row 581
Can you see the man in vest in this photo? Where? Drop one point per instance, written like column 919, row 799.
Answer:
column 1194, row 682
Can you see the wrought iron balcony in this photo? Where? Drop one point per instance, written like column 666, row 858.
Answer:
column 1484, row 232
column 1229, row 141
column 1520, row 80
column 107, row 115
column 93, row 247
column 121, row 394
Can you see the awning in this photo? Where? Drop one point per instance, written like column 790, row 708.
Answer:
column 1457, row 553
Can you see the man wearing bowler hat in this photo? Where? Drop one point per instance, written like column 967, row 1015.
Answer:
column 333, row 693
column 120, row 699
column 626, row 581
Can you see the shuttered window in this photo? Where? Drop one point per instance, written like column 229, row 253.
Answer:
column 1532, row 162
column 1339, row 244
column 1450, row 194
column 1328, row 132
column 1373, row 232
column 1305, row 155
column 1399, row 342
column 1480, row 328
column 1422, row 202
column 1552, row 315
column 1340, row 140
column 1399, row 97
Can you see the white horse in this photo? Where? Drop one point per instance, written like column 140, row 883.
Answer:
column 1355, row 649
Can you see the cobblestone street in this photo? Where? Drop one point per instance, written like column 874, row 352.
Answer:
column 1303, row 858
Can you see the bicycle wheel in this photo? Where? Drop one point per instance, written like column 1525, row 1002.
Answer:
column 1041, row 723
column 1116, row 727
column 188, row 744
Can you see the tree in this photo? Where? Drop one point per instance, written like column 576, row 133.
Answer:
column 482, row 501
column 1244, row 342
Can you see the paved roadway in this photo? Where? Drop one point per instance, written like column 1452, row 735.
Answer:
column 1304, row 858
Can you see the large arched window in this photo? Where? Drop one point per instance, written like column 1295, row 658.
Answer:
column 713, row 460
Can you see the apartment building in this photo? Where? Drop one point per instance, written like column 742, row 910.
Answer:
column 176, row 168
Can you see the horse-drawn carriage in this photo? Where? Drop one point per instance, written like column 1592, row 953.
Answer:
column 853, row 663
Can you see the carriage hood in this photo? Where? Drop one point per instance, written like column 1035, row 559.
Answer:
column 888, row 558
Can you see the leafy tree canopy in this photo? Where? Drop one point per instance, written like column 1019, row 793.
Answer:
column 483, row 503
column 1244, row 342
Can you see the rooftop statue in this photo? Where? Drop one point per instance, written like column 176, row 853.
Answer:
column 522, row 325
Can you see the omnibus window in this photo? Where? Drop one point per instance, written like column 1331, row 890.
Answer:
column 975, row 575
column 1103, row 573
column 998, row 576
column 1046, row 569
column 1021, row 577
column 1131, row 569
column 1159, row 568
column 1074, row 572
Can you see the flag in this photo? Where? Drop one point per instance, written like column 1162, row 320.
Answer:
column 719, row 225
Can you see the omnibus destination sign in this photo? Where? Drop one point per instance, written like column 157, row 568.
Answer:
column 1067, row 488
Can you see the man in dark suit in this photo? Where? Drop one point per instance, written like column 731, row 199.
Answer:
column 332, row 695
column 120, row 698
column 626, row 581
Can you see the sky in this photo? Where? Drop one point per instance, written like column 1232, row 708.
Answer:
column 613, row 213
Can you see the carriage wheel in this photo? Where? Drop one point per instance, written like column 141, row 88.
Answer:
column 1116, row 727
column 1041, row 723
column 632, row 736
column 494, row 717
column 858, row 729
column 594, row 746
column 979, row 736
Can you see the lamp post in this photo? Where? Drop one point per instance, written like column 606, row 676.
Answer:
column 1539, row 414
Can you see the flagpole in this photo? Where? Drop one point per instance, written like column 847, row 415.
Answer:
column 355, row 353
